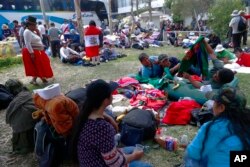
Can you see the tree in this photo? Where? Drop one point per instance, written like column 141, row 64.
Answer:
column 79, row 18
column 168, row 3
column 149, row 9
column 183, row 8
column 110, row 17
column 219, row 17
column 137, row 6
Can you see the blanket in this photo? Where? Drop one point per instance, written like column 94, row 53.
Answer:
column 196, row 56
column 19, row 112
column 237, row 68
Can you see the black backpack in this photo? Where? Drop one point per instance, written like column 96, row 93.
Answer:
column 78, row 96
column 242, row 24
column 138, row 125
column 5, row 97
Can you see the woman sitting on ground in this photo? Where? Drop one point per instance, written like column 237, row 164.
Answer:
column 228, row 131
column 93, row 142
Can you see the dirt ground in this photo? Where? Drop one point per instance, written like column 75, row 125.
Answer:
column 71, row 77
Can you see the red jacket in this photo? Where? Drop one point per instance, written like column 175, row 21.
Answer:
column 92, row 41
column 244, row 59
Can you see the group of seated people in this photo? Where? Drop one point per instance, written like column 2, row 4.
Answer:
column 93, row 132
column 162, row 65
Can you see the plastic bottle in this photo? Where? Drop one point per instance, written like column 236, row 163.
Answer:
column 168, row 142
column 184, row 141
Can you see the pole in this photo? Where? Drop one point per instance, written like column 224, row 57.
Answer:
column 44, row 14
column 79, row 19
column 197, row 21
column 110, row 17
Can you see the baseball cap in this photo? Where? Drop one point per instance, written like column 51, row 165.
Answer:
column 228, row 96
column 162, row 57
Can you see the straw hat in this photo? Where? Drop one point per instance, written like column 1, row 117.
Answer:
column 219, row 48
column 242, row 12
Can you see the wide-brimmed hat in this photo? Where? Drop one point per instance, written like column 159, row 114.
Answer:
column 235, row 13
column 228, row 96
column 31, row 20
column 219, row 48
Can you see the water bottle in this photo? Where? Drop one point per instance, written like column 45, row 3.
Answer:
column 184, row 141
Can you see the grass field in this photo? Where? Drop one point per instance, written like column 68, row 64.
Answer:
column 71, row 77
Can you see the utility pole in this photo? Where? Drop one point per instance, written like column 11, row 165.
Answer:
column 79, row 19
column 46, row 21
column 110, row 17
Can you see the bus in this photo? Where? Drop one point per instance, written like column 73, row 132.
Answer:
column 56, row 10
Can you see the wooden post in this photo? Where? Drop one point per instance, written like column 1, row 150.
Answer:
column 110, row 17
column 79, row 19
column 46, row 21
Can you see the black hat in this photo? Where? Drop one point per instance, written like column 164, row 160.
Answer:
column 228, row 96
column 31, row 20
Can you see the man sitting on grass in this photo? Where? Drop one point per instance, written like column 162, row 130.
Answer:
column 68, row 55
column 150, row 67
column 224, row 55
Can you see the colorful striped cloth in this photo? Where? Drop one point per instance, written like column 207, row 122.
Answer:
column 196, row 56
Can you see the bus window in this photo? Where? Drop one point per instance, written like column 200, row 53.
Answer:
column 31, row 5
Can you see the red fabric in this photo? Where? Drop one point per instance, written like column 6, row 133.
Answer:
column 40, row 67
column 92, row 51
column 244, row 59
column 149, row 99
column 179, row 113
column 196, row 78
column 246, row 16
column 126, row 81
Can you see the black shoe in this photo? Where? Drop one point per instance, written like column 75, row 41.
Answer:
column 98, row 64
column 91, row 65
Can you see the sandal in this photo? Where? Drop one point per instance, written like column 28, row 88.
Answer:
column 33, row 82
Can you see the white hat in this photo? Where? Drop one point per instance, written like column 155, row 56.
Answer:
column 235, row 13
column 219, row 48
column 49, row 92
column 132, row 36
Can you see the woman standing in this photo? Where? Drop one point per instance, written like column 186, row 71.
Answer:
column 93, row 142
column 229, row 131
column 36, row 62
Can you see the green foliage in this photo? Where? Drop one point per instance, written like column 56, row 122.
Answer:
column 220, row 15
column 183, row 8
column 9, row 61
column 168, row 4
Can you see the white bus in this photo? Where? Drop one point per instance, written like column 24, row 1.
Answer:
column 56, row 10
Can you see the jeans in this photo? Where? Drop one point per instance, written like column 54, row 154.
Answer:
column 55, row 46
column 135, row 163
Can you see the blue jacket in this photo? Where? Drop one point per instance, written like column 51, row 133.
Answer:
column 154, row 71
column 219, row 143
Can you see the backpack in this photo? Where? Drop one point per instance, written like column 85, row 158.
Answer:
column 242, row 25
column 201, row 116
column 5, row 97
column 78, row 96
column 138, row 125
column 50, row 148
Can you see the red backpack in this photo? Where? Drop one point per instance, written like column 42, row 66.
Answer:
column 179, row 113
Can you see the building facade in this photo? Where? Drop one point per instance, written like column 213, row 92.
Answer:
column 124, row 6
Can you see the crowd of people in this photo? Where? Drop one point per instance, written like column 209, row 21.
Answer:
column 91, row 133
